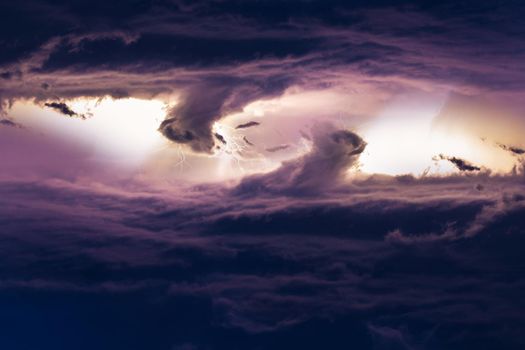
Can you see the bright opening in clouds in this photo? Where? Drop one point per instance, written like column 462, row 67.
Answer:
column 123, row 131
column 401, row 140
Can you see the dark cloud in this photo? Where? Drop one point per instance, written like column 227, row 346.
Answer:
column 193, row 117
column 299, row 257
column 161, row 51
column 305, row 40
column 64, row 109
column 220, row 56
column 277, row 148
column 170, row 274
column 459, row 163
column 247, row 125
column 169, row 131
column 8, row 75
column 512, row 149
column 7, row 122
column 220, row 138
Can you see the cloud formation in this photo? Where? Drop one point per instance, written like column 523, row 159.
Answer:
column 312, row 264
column 220, row 57
column 299, row 257
column 514, row 150
column 333, row 153
column 7, row 122
column 192, row 119
column 460, row 164
column 247, row 125
column 277, row 148
column 64, row 109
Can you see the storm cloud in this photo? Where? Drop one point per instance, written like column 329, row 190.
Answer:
column 318, row 265
column 300, row 248
column 191, row 120
column 219, row 57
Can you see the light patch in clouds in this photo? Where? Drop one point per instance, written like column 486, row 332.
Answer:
column 404, row 135
column 400, row 138
column 122, row 131
column 411, row 132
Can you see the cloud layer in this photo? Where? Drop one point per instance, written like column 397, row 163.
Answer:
column 217, row 57
column 212, row 270
column 302, row 250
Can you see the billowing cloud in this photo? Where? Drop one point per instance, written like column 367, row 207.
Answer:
column 301, row 249
column 192, row 118
column 320, row 262
column 333, row 152
column 219, row 57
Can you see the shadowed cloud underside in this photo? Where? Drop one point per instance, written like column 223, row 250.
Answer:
column 223, row 174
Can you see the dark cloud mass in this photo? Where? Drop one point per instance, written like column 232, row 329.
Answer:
column 193, row 117
column 63, row 108
column 459, row 163
column 163, row 50
column 256, row 272
column 247, row 125
column 233, row 53
column 514, row 150
column 7, row 122
column 311, row 252
column 167, row 129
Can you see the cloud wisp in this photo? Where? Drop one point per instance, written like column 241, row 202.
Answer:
column 460, row 164
column 64, row 109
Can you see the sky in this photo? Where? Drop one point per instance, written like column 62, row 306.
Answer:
column 221, row 174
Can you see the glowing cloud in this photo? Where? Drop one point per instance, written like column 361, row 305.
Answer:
column 121, row 131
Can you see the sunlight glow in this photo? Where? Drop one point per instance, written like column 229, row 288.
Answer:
column 407, row 138
column 400, row 140
column 121, row 131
